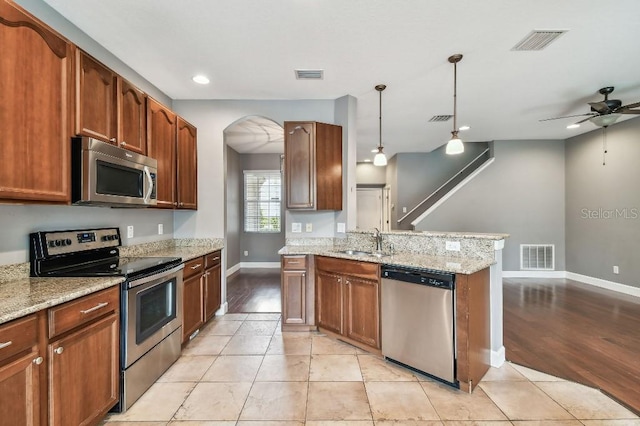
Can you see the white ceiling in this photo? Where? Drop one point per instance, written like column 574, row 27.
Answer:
column 250, row 48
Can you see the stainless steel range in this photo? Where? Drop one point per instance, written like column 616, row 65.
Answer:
column 151, row 298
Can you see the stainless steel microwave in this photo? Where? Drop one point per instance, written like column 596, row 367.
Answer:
column 104, row 174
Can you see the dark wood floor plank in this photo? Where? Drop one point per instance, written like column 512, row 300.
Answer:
column 254, row 290
column 577, row 332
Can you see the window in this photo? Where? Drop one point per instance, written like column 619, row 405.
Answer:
column 262, row 200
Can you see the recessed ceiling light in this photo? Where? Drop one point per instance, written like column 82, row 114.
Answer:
column 573, row 126
column 463, row 128
column 200, row 79
column 367, row 160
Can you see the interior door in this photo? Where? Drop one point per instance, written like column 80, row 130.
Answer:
column 369, row 208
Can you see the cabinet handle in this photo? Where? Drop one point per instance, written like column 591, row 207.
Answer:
column 216, row 258
column 347, row 282
column 207, row 274
column 304, row 274
column 123, row 143
column 293, row 263
column 59, row 350
column 38, row 360
column 112, row 140
column 95, row 308
column 5, row 344
column 339, row 280
column 196, row 266
column 175, row 203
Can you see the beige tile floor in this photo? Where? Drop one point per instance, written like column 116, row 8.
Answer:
column 241, row 370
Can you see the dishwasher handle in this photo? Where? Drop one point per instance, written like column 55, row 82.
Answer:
column 428, row 278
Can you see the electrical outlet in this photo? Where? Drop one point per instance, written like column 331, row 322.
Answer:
column 342, row 228
column 160, row 229
column 296, row 227
column 452, row 245
column 130, row 231
column 246, row 253
column 616, row 270
column 404, row 210
column 308, row 227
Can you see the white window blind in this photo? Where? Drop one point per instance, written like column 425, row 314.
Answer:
column 262, row 200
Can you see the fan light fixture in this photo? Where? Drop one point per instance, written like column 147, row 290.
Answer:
column 605, row 120
column 455, row 145
column 380, row 159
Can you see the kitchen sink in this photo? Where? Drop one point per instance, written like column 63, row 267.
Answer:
column 363, row 253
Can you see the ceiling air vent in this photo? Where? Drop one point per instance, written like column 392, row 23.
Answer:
column 537, row 257
column 437, row 118
column 538, row 39
column 309, row 74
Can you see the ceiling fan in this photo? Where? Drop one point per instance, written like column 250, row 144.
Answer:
column 605, row 112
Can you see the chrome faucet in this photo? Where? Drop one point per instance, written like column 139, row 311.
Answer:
column 378, row 238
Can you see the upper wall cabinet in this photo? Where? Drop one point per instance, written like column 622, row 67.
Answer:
column 161, row 145
column 35, row 85
column 108, row 107
column 187, row 166
column 313, row 165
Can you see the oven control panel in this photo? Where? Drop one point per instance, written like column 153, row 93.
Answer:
column 62, row 242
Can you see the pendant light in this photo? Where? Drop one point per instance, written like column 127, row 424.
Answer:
column 455, row 146
column 380, row 159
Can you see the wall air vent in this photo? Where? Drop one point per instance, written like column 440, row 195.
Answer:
column 309, row 74
column 538, row 39
column 437, row 118
column 537, row 257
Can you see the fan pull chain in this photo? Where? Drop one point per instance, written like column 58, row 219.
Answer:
column 604, row 146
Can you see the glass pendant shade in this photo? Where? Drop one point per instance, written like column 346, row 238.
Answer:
column 605, row 120
column 455, row 146
column 380, row 159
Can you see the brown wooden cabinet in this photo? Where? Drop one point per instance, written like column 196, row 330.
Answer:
column 132, row 117
column 313, row 165
column 21, row 369
column 187, row 166
column 95, row 99
column 83, row 358
column 161, row 145
column 348, row 299
column 36, row 84
column 212, row 282
column 294, row 290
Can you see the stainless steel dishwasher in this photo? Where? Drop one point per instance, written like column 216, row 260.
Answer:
column 418, row 327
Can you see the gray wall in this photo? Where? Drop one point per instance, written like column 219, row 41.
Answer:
column 261, row 247
column 522, row 194
column 600, row 234
column 418, row 174
column 368, row 174
column 233, row 226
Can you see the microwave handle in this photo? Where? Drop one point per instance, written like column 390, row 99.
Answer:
column 147, row 196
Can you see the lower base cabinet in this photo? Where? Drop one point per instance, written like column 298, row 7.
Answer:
column 201, row 295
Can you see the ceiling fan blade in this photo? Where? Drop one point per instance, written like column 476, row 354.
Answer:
column 601, row 107
column 634, row 105
column 586, row 119
column 569, row 116
column 630, row 111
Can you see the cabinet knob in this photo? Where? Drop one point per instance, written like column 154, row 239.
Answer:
column 181, row 204
column 112, row 140
column 339, row 280
column 123, row 143
column 38, row 360
column 175, row 203
column 59, row 350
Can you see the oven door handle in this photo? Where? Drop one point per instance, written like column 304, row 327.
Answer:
column 147, row 196
column 154, row 277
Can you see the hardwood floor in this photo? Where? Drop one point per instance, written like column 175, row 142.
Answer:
column 577, row 332
column 254, row 290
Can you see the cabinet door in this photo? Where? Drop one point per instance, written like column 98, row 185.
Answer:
column 20, row 387
column 329, row 301
column 212, row 291
column 132, row 117
column 161, row 145
column 35, row 112
column 192, row 317
column 299, row 170
column 84, row 373
column 95, row 99
column 362, row 311
column 294, row 307
column 187, row 166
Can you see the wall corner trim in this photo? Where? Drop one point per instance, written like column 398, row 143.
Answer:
column 498, row 357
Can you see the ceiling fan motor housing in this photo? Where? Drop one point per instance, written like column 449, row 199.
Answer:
column 612, row 105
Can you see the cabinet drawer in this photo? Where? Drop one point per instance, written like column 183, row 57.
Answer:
column 294, row 262
column 193, row 267
column 348, row 267
column 77, row 312
column 212, row 259
column 17, row 336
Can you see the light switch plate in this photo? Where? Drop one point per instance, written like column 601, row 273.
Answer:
column 342, row 227
column 452, row 245
column 296, row 227
column 160, row 229
column 130, row 231
column 308, row 227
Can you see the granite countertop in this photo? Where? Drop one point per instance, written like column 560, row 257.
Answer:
column 457, row 265
column 446, row 234
column 24, row 296
column 186, row 253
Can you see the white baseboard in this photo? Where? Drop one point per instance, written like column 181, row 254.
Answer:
column 235, row 268
column 223, row 309
column 259, row 264
column 597, row 282
column 534, row 274
column 609, row 285
column 498, row 357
